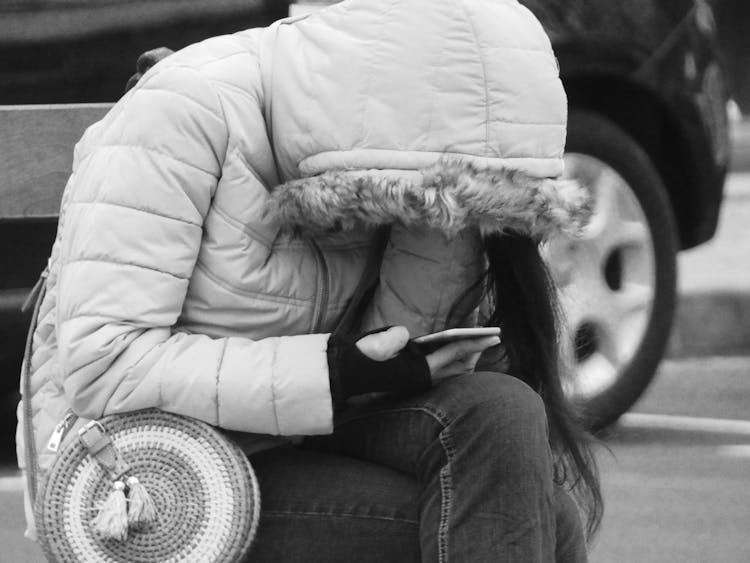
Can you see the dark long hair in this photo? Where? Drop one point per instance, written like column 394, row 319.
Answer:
column 524, row 304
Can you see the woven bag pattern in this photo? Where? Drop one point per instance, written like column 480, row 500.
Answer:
column 204, row 489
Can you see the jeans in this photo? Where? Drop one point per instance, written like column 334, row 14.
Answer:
column 462, row 473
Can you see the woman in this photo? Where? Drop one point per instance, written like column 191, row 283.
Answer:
column 219, row 218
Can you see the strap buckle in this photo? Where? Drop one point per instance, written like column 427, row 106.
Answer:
column 99, row 445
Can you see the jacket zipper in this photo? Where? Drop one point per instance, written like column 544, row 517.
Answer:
column 61, row 430
column 33, row 295
column 321, row 301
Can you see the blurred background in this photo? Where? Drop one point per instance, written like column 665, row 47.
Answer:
column 657, row 293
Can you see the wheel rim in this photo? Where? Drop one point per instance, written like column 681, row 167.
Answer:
column 607, row 281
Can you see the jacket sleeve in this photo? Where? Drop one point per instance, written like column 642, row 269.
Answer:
column 428, row 281
column 143, row 183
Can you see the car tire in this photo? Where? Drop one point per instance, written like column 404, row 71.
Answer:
column 619, row 355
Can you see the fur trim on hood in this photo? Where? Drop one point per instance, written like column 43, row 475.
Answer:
column 449, row 195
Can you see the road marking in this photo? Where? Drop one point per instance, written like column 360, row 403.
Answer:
column 11, row 484
column 738, row 450
column 689, row 423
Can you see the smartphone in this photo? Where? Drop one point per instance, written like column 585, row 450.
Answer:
column 438, row 339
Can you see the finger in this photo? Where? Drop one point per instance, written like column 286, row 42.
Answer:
column 458, row 367
column 449, row 353
column 384, row 345
column 461, row 348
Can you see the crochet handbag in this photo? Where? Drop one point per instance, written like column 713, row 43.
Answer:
column 148, row 486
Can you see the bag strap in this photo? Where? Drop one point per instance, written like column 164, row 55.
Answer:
column 32, row 467
column 367, row 285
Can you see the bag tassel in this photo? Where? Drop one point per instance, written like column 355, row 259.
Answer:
column 141, row 508
column 112, row 520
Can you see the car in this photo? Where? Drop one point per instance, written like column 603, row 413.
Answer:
column 648, row 135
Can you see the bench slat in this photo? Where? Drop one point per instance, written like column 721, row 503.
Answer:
column 36, row 153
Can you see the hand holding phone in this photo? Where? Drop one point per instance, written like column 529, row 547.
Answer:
column 448, row 352
column 456, row 351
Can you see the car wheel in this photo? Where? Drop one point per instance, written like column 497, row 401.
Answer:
column 618, row 281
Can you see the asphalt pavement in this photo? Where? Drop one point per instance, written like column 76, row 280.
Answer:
column 676, row 480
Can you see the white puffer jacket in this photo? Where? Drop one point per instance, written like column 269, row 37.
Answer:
column 219, row 217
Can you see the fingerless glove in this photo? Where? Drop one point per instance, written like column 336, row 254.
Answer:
column 353, row 373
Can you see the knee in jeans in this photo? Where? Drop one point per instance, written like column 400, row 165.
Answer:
column 508, row 405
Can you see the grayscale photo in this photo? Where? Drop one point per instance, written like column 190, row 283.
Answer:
column 364, row 281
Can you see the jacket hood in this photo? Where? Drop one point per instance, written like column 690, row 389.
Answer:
column 449, row 196
column 401, row 84
column 445, row 113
